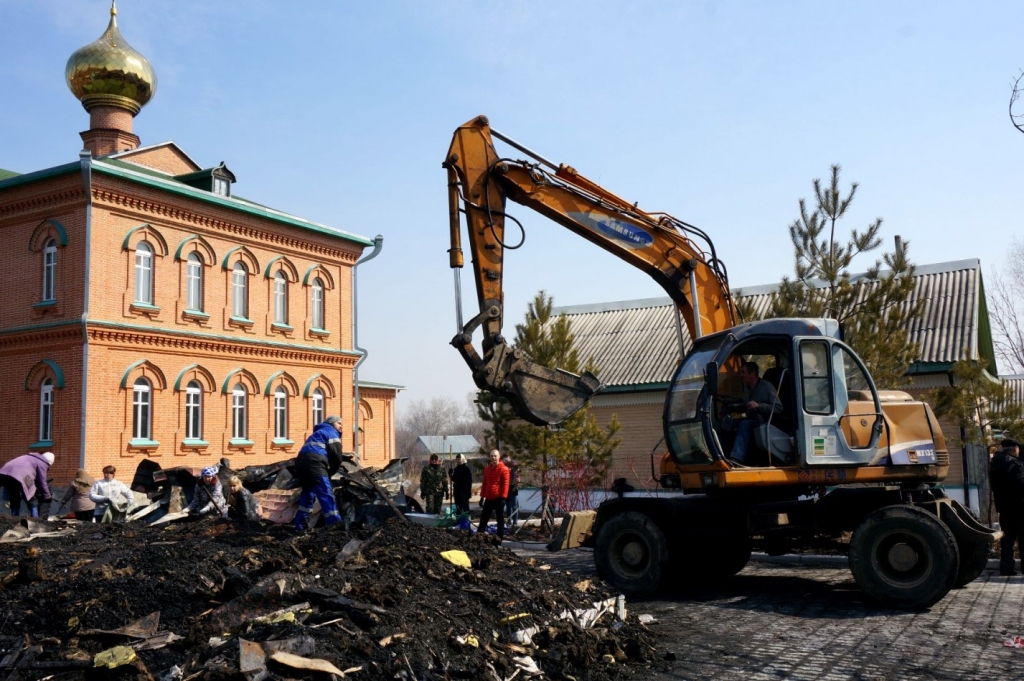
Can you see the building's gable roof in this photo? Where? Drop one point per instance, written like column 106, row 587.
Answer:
column 139, row 174
column 443, row 444
column 141, row 156
column 637, row 343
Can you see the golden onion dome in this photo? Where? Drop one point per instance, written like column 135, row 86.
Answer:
column 109, row 72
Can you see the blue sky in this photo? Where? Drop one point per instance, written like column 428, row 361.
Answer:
column 719, row 113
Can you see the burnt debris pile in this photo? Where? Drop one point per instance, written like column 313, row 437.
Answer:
column 220, row 600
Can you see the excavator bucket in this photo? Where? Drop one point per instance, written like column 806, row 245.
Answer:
column 545, row 396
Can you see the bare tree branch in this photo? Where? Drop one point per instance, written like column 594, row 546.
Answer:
column 1007, row 313
column 1017, row 119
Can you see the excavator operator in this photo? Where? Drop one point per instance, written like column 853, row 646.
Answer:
column 759, row 401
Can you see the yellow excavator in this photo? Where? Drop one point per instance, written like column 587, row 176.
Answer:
column 822, row 455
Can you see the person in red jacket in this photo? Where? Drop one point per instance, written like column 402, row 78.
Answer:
column 493, row 493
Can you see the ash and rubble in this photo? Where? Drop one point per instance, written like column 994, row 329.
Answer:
column 217, row 599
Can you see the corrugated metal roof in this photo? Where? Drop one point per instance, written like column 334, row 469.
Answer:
column 637, row 342
column 442, row 444
column 1016, row 386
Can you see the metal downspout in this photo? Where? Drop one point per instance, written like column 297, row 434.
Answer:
column 85, row 156
column 378, row 243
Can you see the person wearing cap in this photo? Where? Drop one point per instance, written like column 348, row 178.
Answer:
column 112, row 497
column 24, row 477
column 78, row 494
column 1006, row 476
column 433, row 484
column 208, row 496
column 319, row 459
column 462, row 484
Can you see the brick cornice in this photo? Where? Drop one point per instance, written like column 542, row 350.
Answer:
column 180, row 214
column 43, row 203
column 216, row 348
column 63, row 334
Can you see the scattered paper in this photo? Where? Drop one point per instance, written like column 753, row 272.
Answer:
column 312, row 664
column 457, row 558
column 646, row 619
column 114, row 657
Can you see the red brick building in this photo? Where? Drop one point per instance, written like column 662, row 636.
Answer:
column 149, row 312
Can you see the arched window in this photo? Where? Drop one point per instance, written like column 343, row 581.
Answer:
column 318, row 407
column 318, row 304
column 50, row 270
column 144, row 273
column 142, row 415
column 194, row 411
column 239, row 415
column 240, row 291
column 280, row 298
column 281, row 413
column 46, row 410
column 194, row 282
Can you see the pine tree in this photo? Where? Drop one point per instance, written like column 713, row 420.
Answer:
column 872, row 308
column 979, row 403
column 578, row 443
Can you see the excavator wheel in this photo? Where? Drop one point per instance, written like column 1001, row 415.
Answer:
column 630, row 554
column 904, row 557
column 730, row 558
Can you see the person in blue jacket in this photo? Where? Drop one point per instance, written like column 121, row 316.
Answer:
column 319, row 458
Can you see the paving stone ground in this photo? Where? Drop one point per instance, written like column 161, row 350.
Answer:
column 791, row 621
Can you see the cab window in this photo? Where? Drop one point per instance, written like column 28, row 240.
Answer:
column 815, row 377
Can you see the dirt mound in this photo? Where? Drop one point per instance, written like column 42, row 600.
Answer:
column 391, row 606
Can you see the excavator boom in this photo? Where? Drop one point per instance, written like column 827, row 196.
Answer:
column 480, row 183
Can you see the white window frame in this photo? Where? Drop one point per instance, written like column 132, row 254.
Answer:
column 46, row 411
column 280, row 298
column 193, row 411
column 50, row 271
column 319, row 407
column 194, row 282
column 240, row 290
column 318, row 304
column 221, row 186
column 239, row 413
column 144, row 273
column 280, row 413
column 142, row 410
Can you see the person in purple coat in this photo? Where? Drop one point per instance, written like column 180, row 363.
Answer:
column 24, row 477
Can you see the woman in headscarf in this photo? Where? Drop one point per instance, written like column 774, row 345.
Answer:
column 209, row 495
column 78, row 494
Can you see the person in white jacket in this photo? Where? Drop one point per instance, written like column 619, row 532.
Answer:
column 112, row 497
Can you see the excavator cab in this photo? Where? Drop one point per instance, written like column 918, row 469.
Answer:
column 826, row 410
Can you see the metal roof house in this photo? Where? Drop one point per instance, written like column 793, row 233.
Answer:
column 445, row 445
column 637, row 345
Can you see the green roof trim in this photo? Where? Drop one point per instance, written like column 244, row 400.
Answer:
column 270, row 381
column 46, row 173
column 128, row 237
column 986, row 347
column 312, row 268
column 177, row 381
column 384, row 386
column 309, row 384
column 62, row 233
column 129, row 370
column 194, row 237
column 57, row 372
column 227, row 258
column 227, row 379
column 168, row 183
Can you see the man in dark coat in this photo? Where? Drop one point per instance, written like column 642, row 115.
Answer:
column 462, row 484
column 319, row 459
column 1006, row 475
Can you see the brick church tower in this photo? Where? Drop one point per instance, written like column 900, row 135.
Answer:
column 149, row 312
